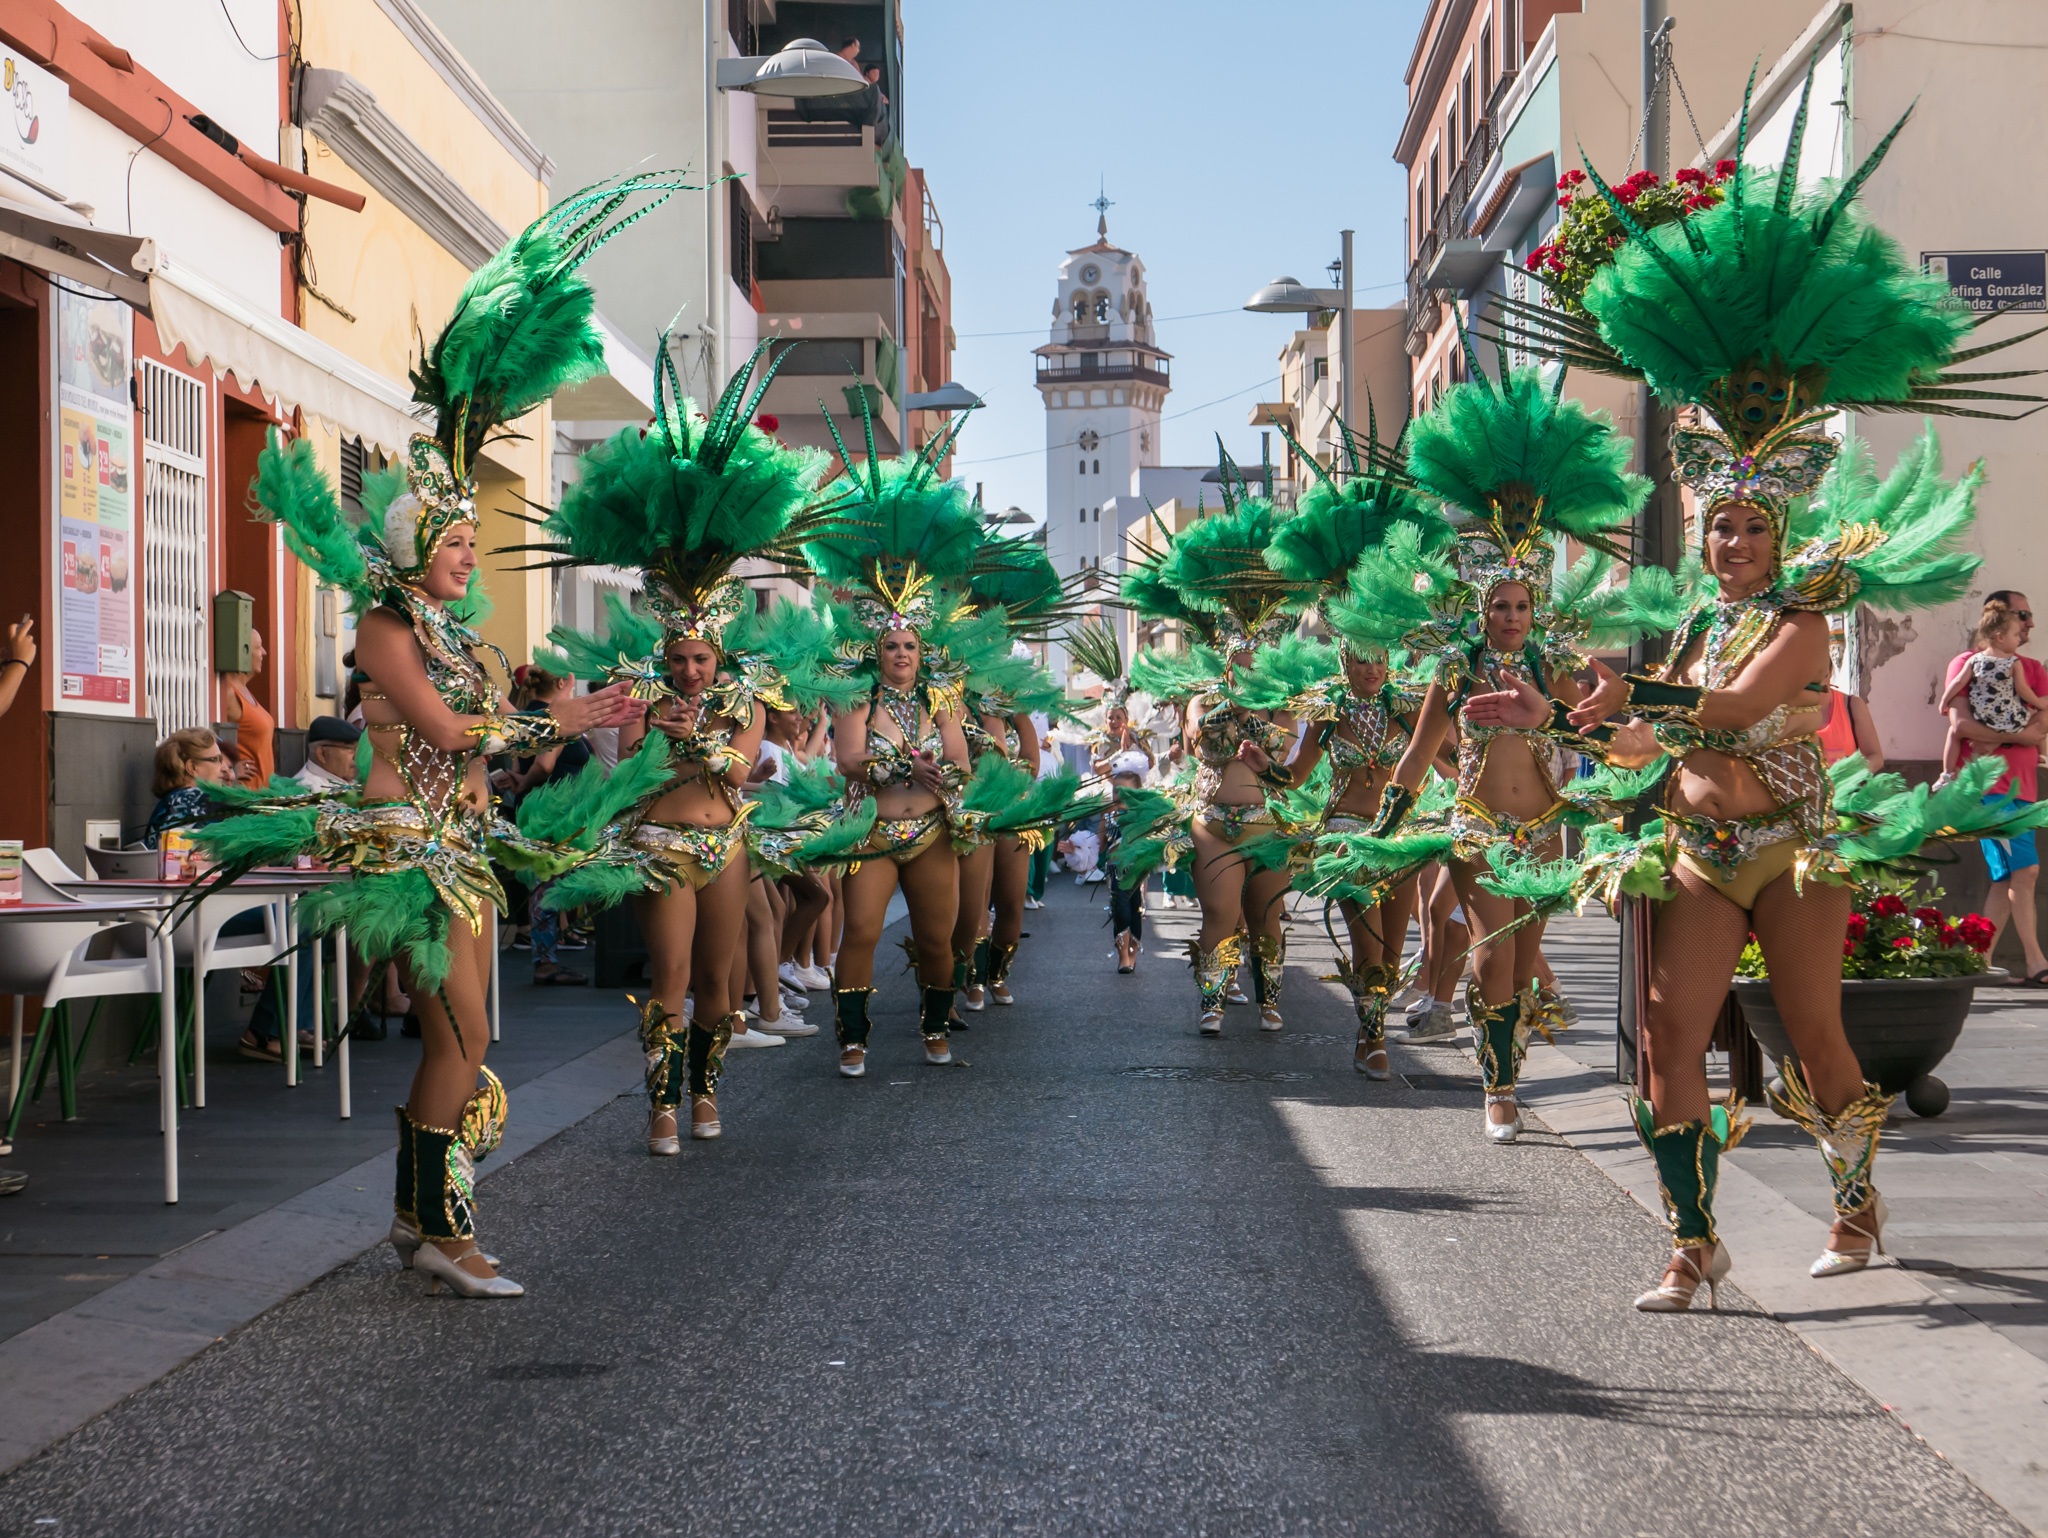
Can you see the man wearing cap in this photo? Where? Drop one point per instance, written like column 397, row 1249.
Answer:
column 330, row 754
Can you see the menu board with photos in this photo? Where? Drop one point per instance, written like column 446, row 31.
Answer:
column 95, row 500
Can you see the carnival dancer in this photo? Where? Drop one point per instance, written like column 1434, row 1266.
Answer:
column 683, row 502
column 1212, row 577
column 1527, row 466
column 415, row 836
column 1768, row 311
column 1359, row 716
column 1020, row 581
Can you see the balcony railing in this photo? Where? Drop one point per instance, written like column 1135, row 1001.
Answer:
column 1445, row 225
column 1104, row 365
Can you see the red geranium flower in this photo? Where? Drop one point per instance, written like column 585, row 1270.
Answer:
column 1565, row 201
column 1570, row 179
column 1848, row 947
column 767, row 423
column 1689, row 176
column 1889, row 906
column 1859, row 926
column 1977, row 931
column 1723, row 169
column 1903, row 943
column 1930, row 916
column 1950, row 935
column 1698, row 201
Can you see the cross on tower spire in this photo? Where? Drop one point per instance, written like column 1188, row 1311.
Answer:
column 1102, row 205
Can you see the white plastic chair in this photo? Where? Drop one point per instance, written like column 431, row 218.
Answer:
column 200, row 946
column 49, row 958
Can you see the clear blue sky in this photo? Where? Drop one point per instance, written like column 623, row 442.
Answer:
column 1236, row 141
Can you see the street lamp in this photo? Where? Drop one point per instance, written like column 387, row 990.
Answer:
column 950, row 396
column 1290, row 296
column 802, row 67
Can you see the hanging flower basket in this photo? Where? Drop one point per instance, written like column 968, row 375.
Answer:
column 1908, row 979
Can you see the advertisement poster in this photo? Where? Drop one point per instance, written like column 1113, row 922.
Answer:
column 95, row 502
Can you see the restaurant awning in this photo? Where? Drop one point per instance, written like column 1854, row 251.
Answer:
column 51, row 239
column 270, row 355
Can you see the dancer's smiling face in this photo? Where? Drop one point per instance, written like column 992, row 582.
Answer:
column 1509, row 617
column 1365, row 675
column 692, row 667
column 447, row 576
column 899, row 652
column 1738, row 548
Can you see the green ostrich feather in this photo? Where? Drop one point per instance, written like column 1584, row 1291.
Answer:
column 576, row 810
column 1774, row 277
column 396, row 916
column 1143, row 811
column 1030, row 802
column 893, row 514
column 1017, row 575
column 292, row 491
column 688, row 498
column 260, row 838
column 1019, row 685
column 1487, row 444
column 1393, row 591
column 522, row 329
column 1177, row 675
column 1335, row 523
column 839, row 840
column 596, row 884
column 810, row 789
column 1285, row 670
column 1924, row 517
column 1095, row 646
column 630, row 639
column 1218, row 564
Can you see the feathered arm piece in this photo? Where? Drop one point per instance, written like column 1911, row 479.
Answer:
column 1177, row 675
column 1295, row 674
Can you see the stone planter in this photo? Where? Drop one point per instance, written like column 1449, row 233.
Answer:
column 1900, row 1029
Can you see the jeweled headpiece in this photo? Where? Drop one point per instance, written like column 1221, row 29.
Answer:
column 434, row 502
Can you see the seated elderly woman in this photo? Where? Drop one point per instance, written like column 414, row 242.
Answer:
column 186, row 761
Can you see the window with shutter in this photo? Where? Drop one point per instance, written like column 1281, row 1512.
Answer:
column 176, row 574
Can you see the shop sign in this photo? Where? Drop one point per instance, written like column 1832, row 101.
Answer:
column 95, row 497
column 36, row 133
column 1994, row 280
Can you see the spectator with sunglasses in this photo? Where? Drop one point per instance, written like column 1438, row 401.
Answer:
column 2008, row 622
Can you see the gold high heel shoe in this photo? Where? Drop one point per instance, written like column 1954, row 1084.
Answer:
column 1842, row 1262
column 1676, row 1298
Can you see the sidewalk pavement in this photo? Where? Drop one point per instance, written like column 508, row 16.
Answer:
column 1954, row 1340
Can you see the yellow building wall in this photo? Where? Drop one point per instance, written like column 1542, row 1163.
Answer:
column 398, row 284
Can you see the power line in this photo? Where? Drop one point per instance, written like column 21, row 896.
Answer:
column 1124, row 431
column 1236, row 309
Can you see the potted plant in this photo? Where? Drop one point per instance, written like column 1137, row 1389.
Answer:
column 1907, row 979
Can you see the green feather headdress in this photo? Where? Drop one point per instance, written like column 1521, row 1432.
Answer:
column 1218, row 565
column 521, row 331
column 1770, row 312
column 689, row 498
column 1527, row 465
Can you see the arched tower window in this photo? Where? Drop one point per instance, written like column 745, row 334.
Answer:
column 1101, row 308
column 1080, row 309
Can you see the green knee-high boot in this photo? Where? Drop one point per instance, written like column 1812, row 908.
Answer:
column 706, row 1052
column 850, row 1016
column 666, row 1061
column 1688, row 1157
column 1848, row 1140
column 932, row 1025
column 405, row 1199
column 1213, row 970
column 1369, row 986
column 980, row 973
column 1501, row 1041
column 444, row 1183
column 1269, row 956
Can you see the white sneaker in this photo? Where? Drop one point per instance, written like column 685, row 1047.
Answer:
column 814, row 979
column 790, row 977
column 1032, row 904
column 1405, row 1000
column 788, row 1025
column 1098, row 874
column 791, row 999
column 1437, row 1025
column 751, row 1037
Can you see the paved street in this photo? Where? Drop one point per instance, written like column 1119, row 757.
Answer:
column 1111, row 1277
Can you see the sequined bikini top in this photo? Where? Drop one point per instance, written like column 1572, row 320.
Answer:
column 1475, row 743
column 1366, row 733
column 1221, row 730
column 890, row 761
column 433, row 776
